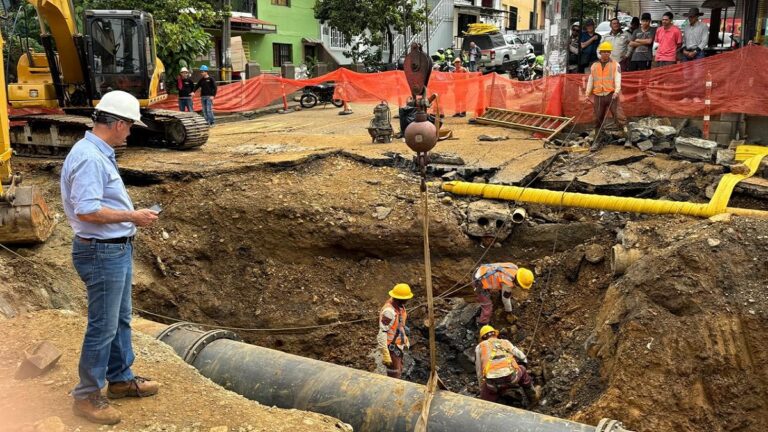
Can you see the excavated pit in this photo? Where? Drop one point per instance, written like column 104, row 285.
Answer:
column 677, row 343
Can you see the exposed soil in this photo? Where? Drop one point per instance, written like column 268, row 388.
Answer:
column 317, row 232
column 186, row 401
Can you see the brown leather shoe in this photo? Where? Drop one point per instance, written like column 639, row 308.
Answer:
column 96, row 408
column 137, row 387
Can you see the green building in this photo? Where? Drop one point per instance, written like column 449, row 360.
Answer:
column 297, row 37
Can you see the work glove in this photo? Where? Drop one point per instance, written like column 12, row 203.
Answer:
column 385, row 357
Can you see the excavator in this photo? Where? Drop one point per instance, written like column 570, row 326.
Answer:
column 24, row 215
column 116, row 51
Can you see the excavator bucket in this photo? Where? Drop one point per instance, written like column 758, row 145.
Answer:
column 25, row 218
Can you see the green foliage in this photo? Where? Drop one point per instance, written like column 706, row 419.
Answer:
column 366, row 23
column 592, row 10
column 179, row 32
column 20, row 30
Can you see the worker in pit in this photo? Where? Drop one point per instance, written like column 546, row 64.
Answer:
column 501, row 368
column 498, row 277
column 392, row 339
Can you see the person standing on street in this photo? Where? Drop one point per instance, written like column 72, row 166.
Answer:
column 642, row 44
column 669, row 38
column 604, row 85
column 104, row 223
column 474, row 56
column 589, row 41
column 392, row 339
column 186, row 88
column 459, row 98
column 696, row 36
column 620, row 41
column 207, row 86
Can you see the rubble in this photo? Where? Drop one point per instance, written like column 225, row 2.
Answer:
column 645, row 145
column 696, row 148
column 492, row 137
column 725, row 157
column 489, row 219
column 664, row 132
column 38, row 360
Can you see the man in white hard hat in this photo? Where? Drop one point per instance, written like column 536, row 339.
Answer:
column 104, row 223
column 186, row 88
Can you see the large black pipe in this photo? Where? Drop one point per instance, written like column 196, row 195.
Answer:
column 367, row 401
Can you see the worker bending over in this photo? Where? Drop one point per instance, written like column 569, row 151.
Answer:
column 500, row 368
column 392, row 339
column 498, row 277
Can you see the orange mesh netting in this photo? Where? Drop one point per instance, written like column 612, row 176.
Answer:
column 739, row 81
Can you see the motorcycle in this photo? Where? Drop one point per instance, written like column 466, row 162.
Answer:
column 530, row 68
column 321, row 93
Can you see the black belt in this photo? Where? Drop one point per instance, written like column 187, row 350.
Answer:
column 117, row 240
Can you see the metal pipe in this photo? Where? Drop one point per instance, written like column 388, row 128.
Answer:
column 367, row 401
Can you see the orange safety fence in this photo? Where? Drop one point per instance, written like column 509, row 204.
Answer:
column 740, row 81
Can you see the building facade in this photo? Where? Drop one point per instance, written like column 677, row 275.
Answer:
column 523, row 14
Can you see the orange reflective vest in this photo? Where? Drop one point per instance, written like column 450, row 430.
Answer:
column 493, row 276
column 604, row 77
column 396, row 331
column 497, row 360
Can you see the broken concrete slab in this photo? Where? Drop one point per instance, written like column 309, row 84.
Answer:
column 446, row 158
column 696, row 148
column 38, row 360
column 753, row 186
column 725, row 157
column 664, row 131
column 645, row 145
column 524, row 167
column 382, row 212
column 492, row 137
column 489, row 219
column 638, row 133
column 450, row 176
column 663, row 147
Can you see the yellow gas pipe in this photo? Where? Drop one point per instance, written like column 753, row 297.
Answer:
column 718, row 204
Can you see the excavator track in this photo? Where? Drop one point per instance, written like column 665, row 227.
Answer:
column 181, row 130
column 53, row 135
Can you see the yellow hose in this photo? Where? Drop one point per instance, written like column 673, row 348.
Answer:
column 718, row 204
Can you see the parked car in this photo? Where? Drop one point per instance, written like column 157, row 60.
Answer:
column 514, row 40
column 495, row 54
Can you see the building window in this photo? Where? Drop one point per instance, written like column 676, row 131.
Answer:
column 281, row 53
column 487, row 3
column 282, row 3
column 512, row 19
column 532, row 22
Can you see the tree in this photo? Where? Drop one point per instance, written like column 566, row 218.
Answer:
column 366, row 24
column 179, row 32
column 21, row 31
column 592, row 9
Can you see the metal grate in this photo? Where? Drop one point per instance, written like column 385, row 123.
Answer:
column 551, row 125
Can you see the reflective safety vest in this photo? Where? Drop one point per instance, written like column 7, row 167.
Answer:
column 497, row 360
column 493, row 276
column 604, row 78
column 396, row 331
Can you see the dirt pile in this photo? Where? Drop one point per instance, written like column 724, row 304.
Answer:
column 186, row 402
column 681, row 337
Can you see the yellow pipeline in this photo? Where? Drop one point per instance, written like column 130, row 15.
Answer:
column 718, row 204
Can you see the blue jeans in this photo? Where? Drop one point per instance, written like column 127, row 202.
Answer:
column 472, row 66
column 107, row 351
column 208, row 109
column 186, row 102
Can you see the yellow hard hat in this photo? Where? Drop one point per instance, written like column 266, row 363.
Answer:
column 605, row 46
column 401, row 291
column 484, row 330
column 524, row 277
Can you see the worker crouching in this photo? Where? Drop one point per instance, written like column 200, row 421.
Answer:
column 392, row 339
column 500, row 368
column 502, row 277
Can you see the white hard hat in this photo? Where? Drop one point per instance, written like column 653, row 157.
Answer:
column 121, row 104
column 184, row 69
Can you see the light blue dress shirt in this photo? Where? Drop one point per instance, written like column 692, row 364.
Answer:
column 90, row 181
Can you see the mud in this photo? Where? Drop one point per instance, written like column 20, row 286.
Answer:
column 268, row 242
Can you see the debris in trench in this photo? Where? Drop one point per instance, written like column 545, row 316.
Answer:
column 492, row 137
column 38, row 360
